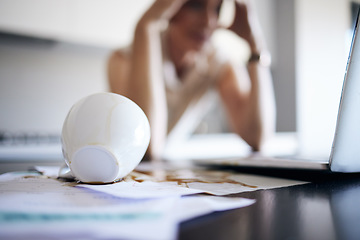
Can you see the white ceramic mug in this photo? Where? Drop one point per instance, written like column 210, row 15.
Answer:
column 104, row 137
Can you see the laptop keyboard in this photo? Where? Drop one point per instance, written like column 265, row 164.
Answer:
column 30, row 147
column 21, row 139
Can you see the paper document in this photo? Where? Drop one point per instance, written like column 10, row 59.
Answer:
column 142, row 190
column 170, row 180
column 34, row 206
column 149, row 203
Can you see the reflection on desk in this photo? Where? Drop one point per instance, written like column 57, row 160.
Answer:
column 326, row 209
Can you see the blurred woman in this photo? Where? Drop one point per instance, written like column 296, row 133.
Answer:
column 172, row 65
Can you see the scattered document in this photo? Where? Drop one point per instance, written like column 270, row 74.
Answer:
column 174, row 180
column 149, row 203
column 35, row 206
column 147, row 189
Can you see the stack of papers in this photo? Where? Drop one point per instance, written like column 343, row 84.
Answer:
column 147, row 204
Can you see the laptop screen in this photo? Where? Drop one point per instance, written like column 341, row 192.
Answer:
column 345, row 155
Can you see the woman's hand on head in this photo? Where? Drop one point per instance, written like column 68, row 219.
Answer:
column 163, row 9
column 245, row 23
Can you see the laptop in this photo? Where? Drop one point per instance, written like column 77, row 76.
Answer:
column 345, row 151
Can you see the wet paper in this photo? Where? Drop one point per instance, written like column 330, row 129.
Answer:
column 151, row 182
column 38, row 206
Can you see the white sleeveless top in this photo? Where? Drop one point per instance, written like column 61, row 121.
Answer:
column 190, row 98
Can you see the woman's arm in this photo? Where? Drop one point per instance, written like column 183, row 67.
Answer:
column 247, row 92
column 140, row 77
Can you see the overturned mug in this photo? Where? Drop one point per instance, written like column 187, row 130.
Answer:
column 104, row 137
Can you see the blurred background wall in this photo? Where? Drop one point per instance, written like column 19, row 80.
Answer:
column 52, row 53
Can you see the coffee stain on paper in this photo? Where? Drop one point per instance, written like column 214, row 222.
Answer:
column 184, row 177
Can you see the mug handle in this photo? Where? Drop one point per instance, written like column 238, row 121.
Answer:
column 65, row 172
